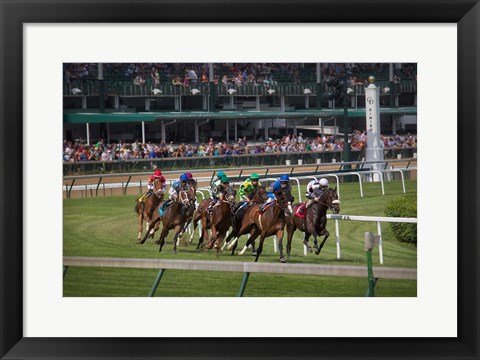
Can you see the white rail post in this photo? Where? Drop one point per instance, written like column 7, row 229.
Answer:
column 380, row 247
column 337, row 238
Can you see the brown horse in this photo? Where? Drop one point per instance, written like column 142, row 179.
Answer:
column 145, row 209
column 191, row 183
column 174, row 217
column 315, row 220
column 272, row 221
column 243, row 222
column 218, row 221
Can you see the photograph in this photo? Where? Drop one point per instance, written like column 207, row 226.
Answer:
column 208, row 167
column 239, row 180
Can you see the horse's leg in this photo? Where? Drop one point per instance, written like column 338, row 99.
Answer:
column 213, row 236
column 260, row 246
column 140, row 226
column 327, row 234
column 254, row 232
column 195, row 218
column 279, row 234
column 230, row 236
column 175, row 238
column 306, row 236
column 152, row 225
column 290, row 230
column 163, row 235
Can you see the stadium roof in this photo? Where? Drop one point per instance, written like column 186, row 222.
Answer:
column 119, row 117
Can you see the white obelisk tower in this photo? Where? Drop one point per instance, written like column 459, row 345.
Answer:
column 374, row 149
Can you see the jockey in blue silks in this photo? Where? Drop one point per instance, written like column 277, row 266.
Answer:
column 281, row 184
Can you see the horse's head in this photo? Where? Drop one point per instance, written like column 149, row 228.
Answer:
column 187, row 197
column 284, row 200
column 158, row 188
column 229, row 195
column 260, row 195
column 332, row 200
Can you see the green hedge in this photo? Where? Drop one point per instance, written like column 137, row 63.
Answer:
column 405, row 206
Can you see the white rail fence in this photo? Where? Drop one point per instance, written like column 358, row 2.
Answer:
column 244, row 267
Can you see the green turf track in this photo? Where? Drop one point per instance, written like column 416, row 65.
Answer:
column 106, row 227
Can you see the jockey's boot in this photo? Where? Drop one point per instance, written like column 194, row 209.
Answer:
column 165, row 204
column 262, row 208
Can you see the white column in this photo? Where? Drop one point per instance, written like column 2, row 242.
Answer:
column 257, row 102
column 282, row 103
column 322, row 127
column 307, row 102
column 374, row 149
column 84, row 102
column 88, row 133
column 147, row 104
column 143, row 132
column 116, row 99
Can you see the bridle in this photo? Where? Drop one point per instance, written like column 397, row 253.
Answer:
column 331, row 205
column 287, row 210
column 159, row 192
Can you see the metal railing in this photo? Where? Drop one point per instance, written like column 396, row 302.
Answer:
column 128, row 88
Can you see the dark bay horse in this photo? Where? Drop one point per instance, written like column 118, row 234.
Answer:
column 218, row 221
column 315, row 220
column 174, row 217
column 243, row 220
column 146, row 209
column 190, row 210
column 272, row 221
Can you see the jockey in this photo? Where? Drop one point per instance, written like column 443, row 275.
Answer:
column 219, row 192
column 248, row 188
column 175, row 188
column 216, row 181
column 315, row 190
column 282, row 183
column 191, row 181
column 156, row 176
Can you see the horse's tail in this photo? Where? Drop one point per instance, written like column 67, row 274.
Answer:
column 138, row 207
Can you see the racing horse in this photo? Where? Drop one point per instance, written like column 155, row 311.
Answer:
column 218, row 221
column 315, row 220
column 174, row 217
column 145, row 209
column 243, row 221
column 272, row 221
column 190, row 210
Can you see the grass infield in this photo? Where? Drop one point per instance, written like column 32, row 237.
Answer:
column 107, row 227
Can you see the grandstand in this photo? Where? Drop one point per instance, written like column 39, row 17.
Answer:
column 126, row 102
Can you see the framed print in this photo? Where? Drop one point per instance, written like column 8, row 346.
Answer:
column 242, row 333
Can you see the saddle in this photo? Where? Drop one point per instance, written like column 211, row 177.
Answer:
column 144, row 196
column 300, row 210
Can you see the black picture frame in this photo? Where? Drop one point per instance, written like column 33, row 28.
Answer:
column 13, row 345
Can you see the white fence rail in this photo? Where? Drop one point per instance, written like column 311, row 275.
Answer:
column 244, row 267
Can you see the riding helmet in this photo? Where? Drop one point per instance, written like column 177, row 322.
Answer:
column 157, row 173
column 220, row 174
column 183, row 177
column 254, row 176
column 189, row 175
column 284, row 178
column 323, row 182
column 224, row 179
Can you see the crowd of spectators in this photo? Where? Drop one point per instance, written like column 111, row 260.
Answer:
column 232, row 73
column 78, row 151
